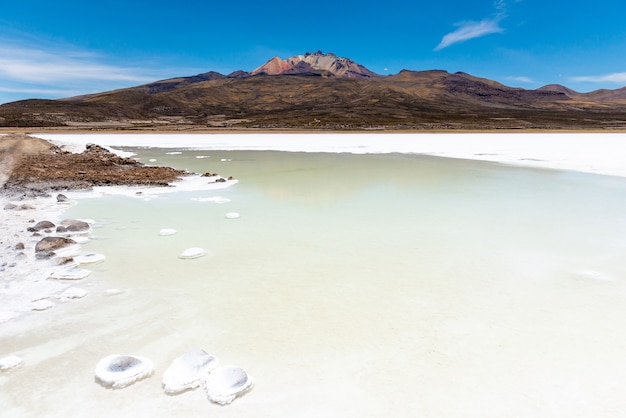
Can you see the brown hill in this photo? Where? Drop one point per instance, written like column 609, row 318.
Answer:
column 312, row 94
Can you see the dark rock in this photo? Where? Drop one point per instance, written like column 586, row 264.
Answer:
column 19, row 246
column 75, row 225
column 44, row 255
column 62, row 198
column 41, row 226
column 53, row 243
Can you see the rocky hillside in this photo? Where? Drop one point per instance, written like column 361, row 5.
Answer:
column 323, row 91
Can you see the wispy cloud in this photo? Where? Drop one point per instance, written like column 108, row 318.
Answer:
column 475, row 29
column 45, row 70
column 618, row 78
column 521, row 79
column 32, row 65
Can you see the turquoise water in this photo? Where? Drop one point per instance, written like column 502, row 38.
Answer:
column 351, row 285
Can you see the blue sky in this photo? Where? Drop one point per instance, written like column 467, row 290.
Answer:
column 54, row 49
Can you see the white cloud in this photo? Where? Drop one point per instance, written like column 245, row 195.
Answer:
column 618, row 78
column 31, row 65
column 472, row 29
column 521, row 79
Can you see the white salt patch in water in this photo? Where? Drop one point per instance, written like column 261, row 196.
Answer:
column 73, row 273
column 174, row 153
column 194, row 252
column 41, row 305
column 73, row 293
column 89, row 258
column 113, row 292
column 593, row 275
column 167, row 231
column 216, row 199
column 118, row 371
column 6, row 316
column 188, row 371
column 152, row 160
column 225, row 383
column 203, row 156
column 69, row 251
column 232, row 215
column 225, row 159
column 10, row 362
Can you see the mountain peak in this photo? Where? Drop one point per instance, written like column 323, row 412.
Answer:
column 315, row 62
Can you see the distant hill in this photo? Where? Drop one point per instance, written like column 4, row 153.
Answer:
column 323, row 91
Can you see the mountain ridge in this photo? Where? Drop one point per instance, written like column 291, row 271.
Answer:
column 324, row 91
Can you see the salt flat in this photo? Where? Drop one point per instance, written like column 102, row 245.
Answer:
column 599, row 153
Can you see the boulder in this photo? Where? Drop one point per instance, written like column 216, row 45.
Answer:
column 53, row 243
column 75, row 225
column 40, row 226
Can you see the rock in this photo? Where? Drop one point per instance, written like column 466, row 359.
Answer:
column 75, row 225
column 10, row 206
column 188, row 371
column 40, row 226
column 19, row 246
column 61, row 198
column 118, row 371
column 10, row 362
column 53, row 243
column 193, row 252
column 225, row 383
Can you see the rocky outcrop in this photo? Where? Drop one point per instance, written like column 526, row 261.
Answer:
column 315, row 62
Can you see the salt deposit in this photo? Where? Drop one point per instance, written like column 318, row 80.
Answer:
column 73, row 293
column 118, row 371
column 194, row 252
column 72, row 273
column 89, row 258
column 188, row 371
column 226, row 383
column 167, row 231
column 232, row 215
column 10, row 362
column 42, row 305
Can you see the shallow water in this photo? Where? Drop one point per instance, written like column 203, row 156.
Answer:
column 351, row 285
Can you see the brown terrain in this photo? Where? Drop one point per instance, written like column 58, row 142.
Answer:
column 31, row 167
column 322, row 91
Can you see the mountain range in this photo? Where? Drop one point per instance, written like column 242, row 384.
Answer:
column 324, row 91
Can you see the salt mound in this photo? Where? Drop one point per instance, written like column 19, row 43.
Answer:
column 10, row 362
column 194, row 252
column 118, row 371
column 41, row 305
column 73, row 273
column 225, row 383
column 89, row 258
column 167, row 231
column 232, row 215
column 188, row 371
column 73, row 293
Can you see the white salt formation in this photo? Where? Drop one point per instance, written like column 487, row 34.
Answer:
column 193, row 252
column 73, row 273
column 167, row 231
column 225, row 383
column 188, row 371
column 10, row 362
column 73, row 293
column 41, row 305
column 89, row 258
column 118, row 371
column 232, row 215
